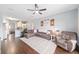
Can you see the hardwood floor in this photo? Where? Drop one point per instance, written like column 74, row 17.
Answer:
column 16, row 46
column 60, row 50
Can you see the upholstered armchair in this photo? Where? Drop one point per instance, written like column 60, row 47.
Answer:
column 67, row 40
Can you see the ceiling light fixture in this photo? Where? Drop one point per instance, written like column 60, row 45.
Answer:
column 37, row 10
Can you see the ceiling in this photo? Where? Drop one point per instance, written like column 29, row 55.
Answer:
column 20, row 10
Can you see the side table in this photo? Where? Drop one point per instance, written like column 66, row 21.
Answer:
column 53, row 38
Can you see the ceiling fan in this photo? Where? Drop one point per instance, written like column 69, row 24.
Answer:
column 37, row 10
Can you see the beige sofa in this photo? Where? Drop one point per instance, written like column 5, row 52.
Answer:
column 43, row 35
column 67, row 40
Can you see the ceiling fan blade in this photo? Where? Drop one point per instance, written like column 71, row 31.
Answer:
column 30, row 9
column 36, row 6
column 33, row 12
column 39, row 12
column 42, row 9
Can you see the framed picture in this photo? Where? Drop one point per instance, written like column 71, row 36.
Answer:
column 52, row 22
column 42, row 23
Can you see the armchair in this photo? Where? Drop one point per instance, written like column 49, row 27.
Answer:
column 67, row 40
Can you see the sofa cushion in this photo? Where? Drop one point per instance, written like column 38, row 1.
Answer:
column 68, row 35
column 28, row 35
column 61, row 41
column 42, row 30
column 30, row 31
column 43, row 35
column 63, row 36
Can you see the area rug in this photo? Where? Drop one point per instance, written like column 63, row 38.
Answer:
column 41, row 45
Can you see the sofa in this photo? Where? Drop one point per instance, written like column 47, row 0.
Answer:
column 43, row 35
column 67, row 40
column 29, row 33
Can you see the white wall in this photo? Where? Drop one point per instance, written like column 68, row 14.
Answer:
column 66, row 20
column 2, row 28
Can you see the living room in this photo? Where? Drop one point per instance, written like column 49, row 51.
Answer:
column 51, row 25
